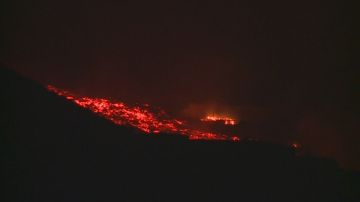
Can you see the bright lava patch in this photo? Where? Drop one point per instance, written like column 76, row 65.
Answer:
column 225, row 120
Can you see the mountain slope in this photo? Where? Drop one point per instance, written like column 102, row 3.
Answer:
column 53, row 150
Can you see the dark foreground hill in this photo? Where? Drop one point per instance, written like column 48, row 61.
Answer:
column 53, row 150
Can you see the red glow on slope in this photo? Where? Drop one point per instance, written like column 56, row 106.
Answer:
column 141, row 117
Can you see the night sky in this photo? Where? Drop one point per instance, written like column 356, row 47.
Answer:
column 286, row 65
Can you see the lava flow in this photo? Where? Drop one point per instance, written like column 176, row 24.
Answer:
column 142, row 117
column 225, row 120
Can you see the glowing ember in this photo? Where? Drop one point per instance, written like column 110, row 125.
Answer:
column 296, row 145
column 141, row 117
column 226, row 120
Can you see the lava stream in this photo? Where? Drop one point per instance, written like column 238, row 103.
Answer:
column 141, row 117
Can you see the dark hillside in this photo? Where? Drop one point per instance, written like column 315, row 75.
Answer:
column 53, row 150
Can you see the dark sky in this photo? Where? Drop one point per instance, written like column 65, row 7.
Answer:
column 286, row 63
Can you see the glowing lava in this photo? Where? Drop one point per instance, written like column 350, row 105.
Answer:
column 142, row 117
column 226, row 120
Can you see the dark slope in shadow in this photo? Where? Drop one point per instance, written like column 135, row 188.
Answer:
column 53, row 150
